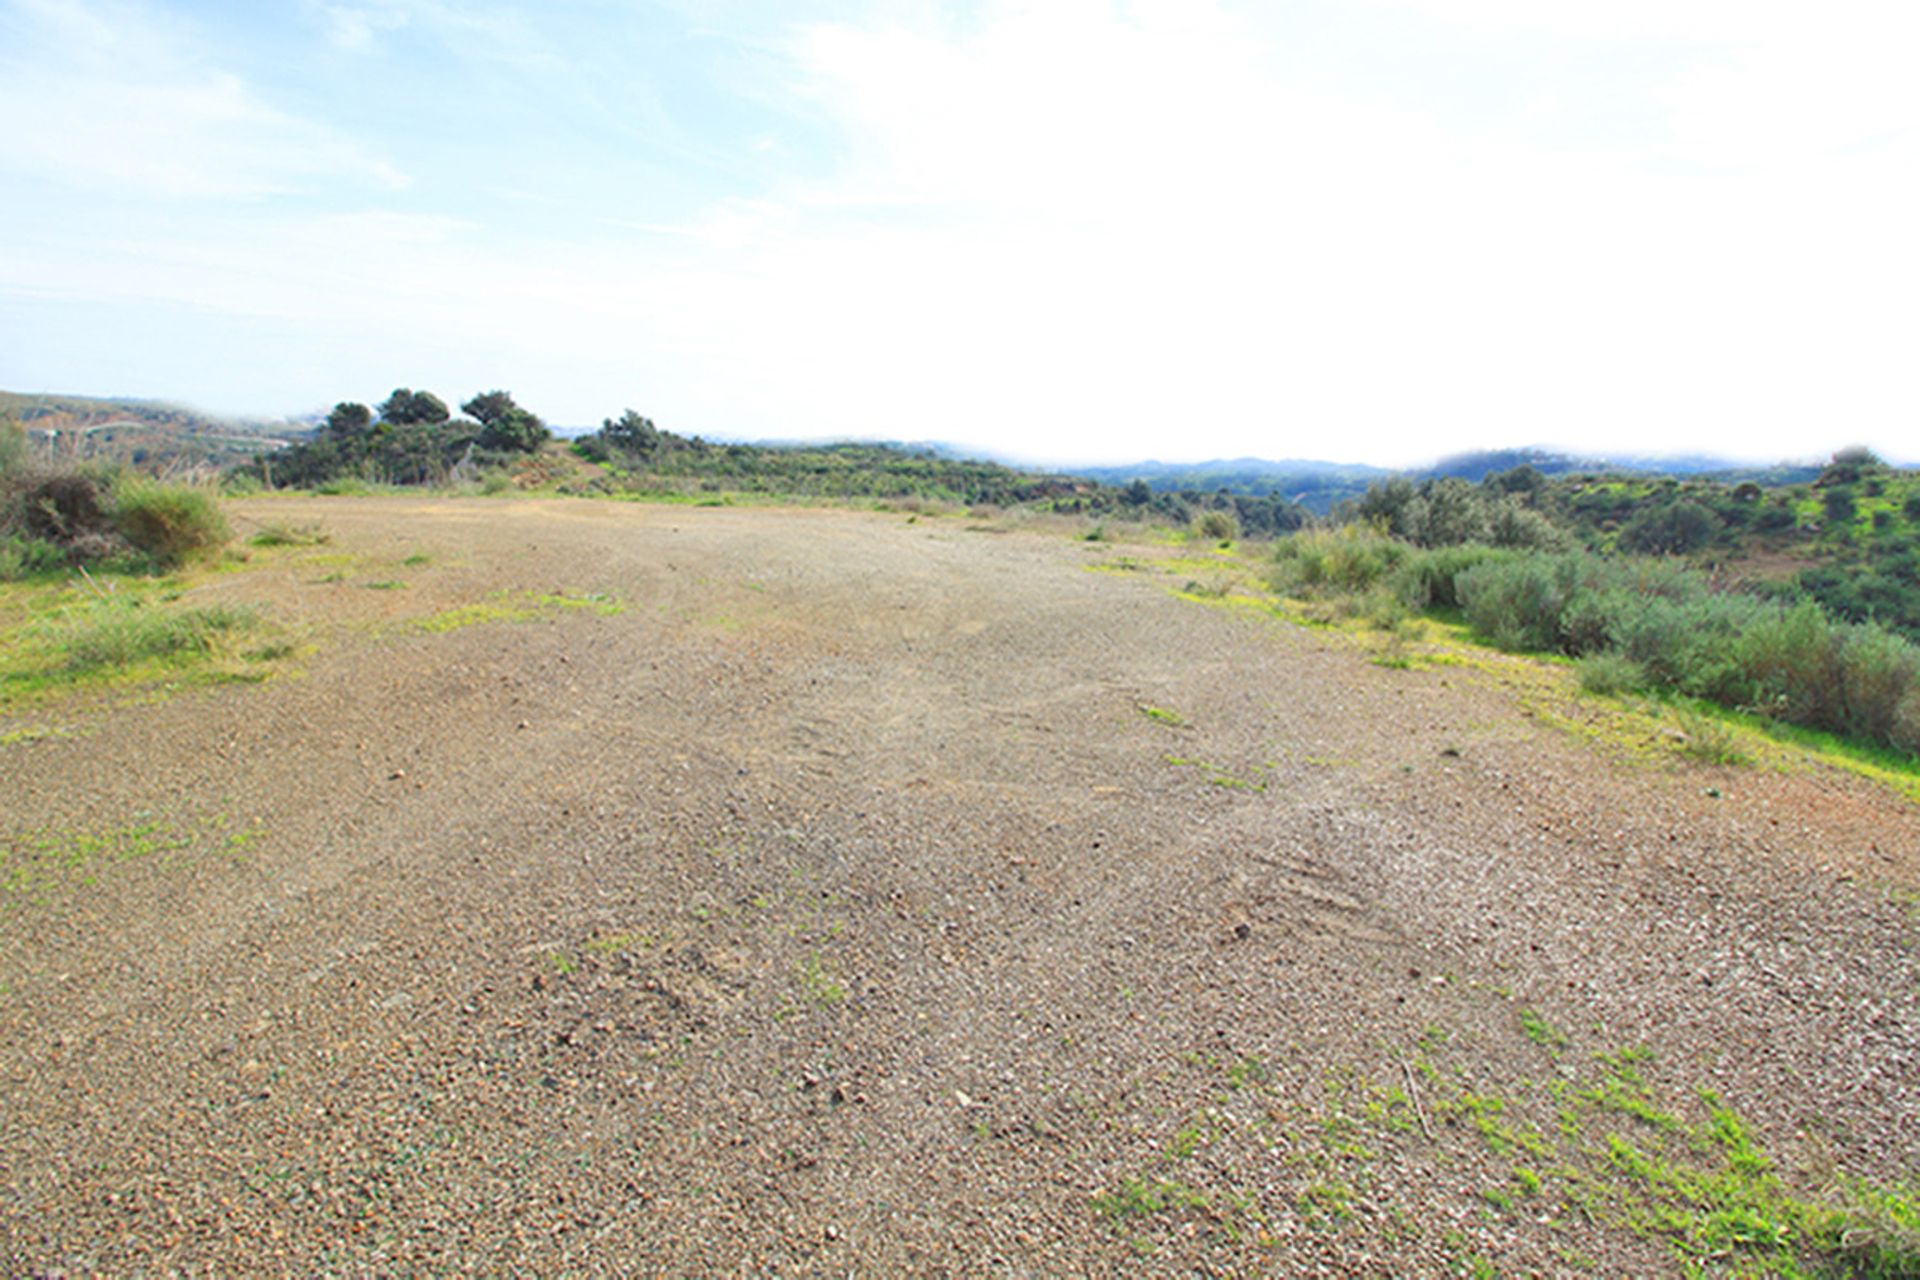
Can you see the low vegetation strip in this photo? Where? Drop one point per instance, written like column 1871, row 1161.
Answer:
column 1639, row 624
column 1606, row 1142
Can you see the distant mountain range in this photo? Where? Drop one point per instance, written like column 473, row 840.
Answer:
column 1319, row 485
column 155, row 434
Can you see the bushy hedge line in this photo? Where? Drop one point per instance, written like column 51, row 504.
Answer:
column 1790, row 661
column 1640, row 624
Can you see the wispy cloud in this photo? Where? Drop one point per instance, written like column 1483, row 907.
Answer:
column 114, row 97
column 356, row 26
column 495, row 33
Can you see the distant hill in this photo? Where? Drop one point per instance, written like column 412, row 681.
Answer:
column 152, row 435
column 1320, row 485
column 1313, row 484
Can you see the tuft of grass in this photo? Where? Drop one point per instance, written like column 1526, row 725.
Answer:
column 1138, row 1198
column 344, row 487
column 1164, row 716
column 1540, row 1031
column 1215, row 526
column 821, row 986
column 290, row 535
column 168, row 523
column 1708, row 739
column 1610, row 673
column 119, row 633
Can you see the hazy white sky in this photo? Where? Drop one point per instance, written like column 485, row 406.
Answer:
column 1077, row 230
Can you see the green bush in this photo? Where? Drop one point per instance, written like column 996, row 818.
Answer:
column 1661, row 622
column 1611, row 673
column 22, row 557
column 1427, row 580
column 168, row 523
column 1216, row 526
column 1347, row 560
column 1517, row 603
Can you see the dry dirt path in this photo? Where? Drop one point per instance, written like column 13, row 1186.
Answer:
column 874, row 897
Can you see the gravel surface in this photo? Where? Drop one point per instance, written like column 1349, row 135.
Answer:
column 873, row 896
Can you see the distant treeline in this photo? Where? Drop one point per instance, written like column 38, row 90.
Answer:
column 411, row 437
column 640, row 456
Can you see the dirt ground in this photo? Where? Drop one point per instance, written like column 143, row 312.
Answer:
column 797, row 892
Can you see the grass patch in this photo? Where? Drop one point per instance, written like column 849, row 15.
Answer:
column 168, row 523
column 517, row 606
column 1221, row 777
column 115, row 630
column 290, row 535
column 1540, row 1031
column 821, row 986
column 1709, row 739
column 120, row 633
column 35, row 864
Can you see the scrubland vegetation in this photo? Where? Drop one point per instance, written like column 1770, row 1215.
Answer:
column 1642, row 583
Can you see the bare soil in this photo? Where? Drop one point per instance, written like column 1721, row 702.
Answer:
column 874, row 896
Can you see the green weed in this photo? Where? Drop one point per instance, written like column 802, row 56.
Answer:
column 288, row 535
column 122, row 632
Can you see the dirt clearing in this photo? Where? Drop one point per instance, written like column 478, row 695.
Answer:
column 715, row 891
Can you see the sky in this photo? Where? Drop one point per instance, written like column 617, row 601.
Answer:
column 1069, row 231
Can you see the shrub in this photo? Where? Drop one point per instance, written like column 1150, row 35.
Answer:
column 1216, row 526
column 1674, row 529
column 1350, row 559
column 1512, row 524
column 25, row 557
column 1789, row 658
column 1705, row 738
column 1878, row 671
column 169, row 523
column 1688, row 644
column 61, row 506
column 1611, row 673
column 1517, row 603
column 1428, row 579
